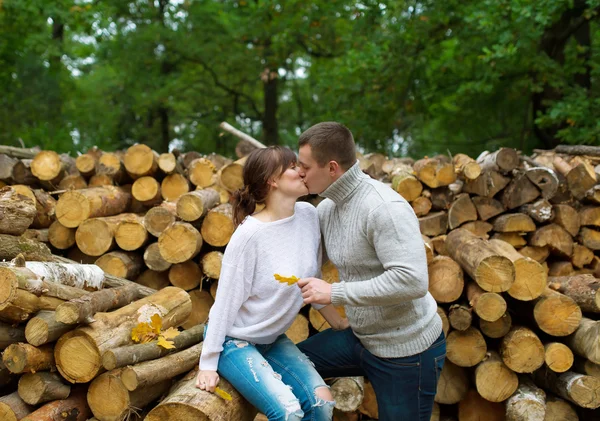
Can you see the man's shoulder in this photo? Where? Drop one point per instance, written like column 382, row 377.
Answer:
column 378, row 193
column 325, row 206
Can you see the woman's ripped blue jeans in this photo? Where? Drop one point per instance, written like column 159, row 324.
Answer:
column 278, row 379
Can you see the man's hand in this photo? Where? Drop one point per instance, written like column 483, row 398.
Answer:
column 315, row 290
column 207, row 380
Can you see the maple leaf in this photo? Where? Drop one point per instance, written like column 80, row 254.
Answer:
column 165, row 343
column 170, row 333
column 290, row 280
column 222, row 394
column 141, row 332
column 156, row 323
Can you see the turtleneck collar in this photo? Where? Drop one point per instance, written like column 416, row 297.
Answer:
column 340, row 189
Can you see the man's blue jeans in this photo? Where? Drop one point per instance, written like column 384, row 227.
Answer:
column 405, row 387
column 277, row 379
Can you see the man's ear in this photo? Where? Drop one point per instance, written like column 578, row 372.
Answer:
column 334, row 168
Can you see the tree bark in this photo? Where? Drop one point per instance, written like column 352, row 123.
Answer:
column 43, row 328
column 36, row 388
column 528, row 403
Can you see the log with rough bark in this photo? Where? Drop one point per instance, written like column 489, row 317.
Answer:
column 583, row 289
column 556, row 314
column 82, row 310
column 585, row 366
column 465, row 166
column 26, row 358
column 453, row 384
column 580, row 389
column 514, row 222
column 558, row 357
column 434, row 173
column 460, row 316
column 519, row 191
column 567, row 217
column 462, row 210
column 76, row 206
column 194, row 205
column 489, row 306
column 73, row 408
column 544, row 179
column 73, row 182
column 44, row 328
column 217, row 226
column 36, row 388
column 503, row 159
column 79, row 276
column 434, row 224
column 110, row 330
column 201, row 304
column 446, row 280
column 493, row 272
column 441, row 198
column 405, row 182
column 21, row 173
column 487, row 207
column 134, row 354
column 7, row 164
column 13, row 408
column 179, row 242
column 231, row 176
column 154, row 260
column 590, row 238
column 540, row 211
column 123, row 264
column 100, row 180
column 421, row 206
column 185, row 401
column 16, row 212
column 348, row 393
column 528, row 403
column 496, row 329
column 466, row 348
column 582, row 256
column 160, row 217
column 202, row 172
column 558, row 240
column 479, row 228
column 185, row 275
column 173, row 187
column 146, row 190
column 584, row 341
column 581, row 178
column 521, row 350
column 211, row 264
column 559, row 410
column 140, row 161
column 10, row 334
column 475, row 408
column 487, row 184
column 494, row 380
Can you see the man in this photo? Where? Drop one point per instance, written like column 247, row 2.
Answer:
column 372, row 236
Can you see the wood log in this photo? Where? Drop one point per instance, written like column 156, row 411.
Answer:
column 434, row 224
column 519, row 192
column 201, row 303
column 10, row 334
column 489, row 306
column 558, row 357
column 475, row 408
column 567, row 217
column 86, row 164
column 590, row 238
column 528, row 403
column 560, row 268
column 461, row 211
column 466, row 348
column 487, row 207
column 148, row 373
column 45, row 206
column 405, row 182
column 584, row 341
column 514, row 222
column 585, row 366
column 434, row 173
column 494, row 380
column 446, row 280
column 180, row 242
column 530, row 277
column 186, row 159
column 556, row 314
column 445, row 322
column 60, row 236
column 496, row 329
column 73, row 408
column 48, row 166
column 453, row 384
column 185, row 275
column 21, row 173
column 544, row 179
column 13, row 408
column 154, row 260
column 77, row 276
column 217, row 226
column 153, row 279
column 131, row 234
column 126, row 265
column 583, row 289
column 160, row 217
column 577, row 150
column 76, row 206
column 140, row 161
column 318, row 321
column 515, row 239
column 186, row 402
column 16, row 214
column 348, row 393
column 521, row 350
column 211, row 264
column 26, row 358
column 580, row 389
column 37, row 388
column 479, row 228
column 503, row 159
column 582, row 256
column 113, row 329
column 96, row 236
column 429, row 249
column 82, row 310
column 202, row 172
column 213, row 289
column 488, row 184
column 558, row 240
column 43, row 328
column 173, row 187
column 194, row 205
column 73, row 182
column 493, row 272
column 460, row 317
column 421, row 206
column 298, row 331
column 146, row 190
column 466, row 167
column 539, row 254
column 100, row 180
column 167, row 162
column 580, row 179
column 559, row 410
column 441, row 198
column 438, row 244
column 134, row 354
column 231, row 175
column 590, row 216
column 7, row 164
column 540, row 210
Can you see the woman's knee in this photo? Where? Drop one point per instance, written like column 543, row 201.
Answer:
column 322, row 408
column 286, row 411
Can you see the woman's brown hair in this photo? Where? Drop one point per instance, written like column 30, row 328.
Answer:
column 261, row 166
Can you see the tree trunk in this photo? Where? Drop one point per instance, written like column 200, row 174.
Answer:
column 26, row 358
column 494, row 380
column 96, row 236
column 12, row 408
column 489, row 306
column 180, row 242
column 487, row 207
column 140, row 161
column 446, row 281
column 36, row 388
column 434, row 173
column 519, row 192
column 583, row 289
column 186, row 275
column 558, row 357
column 154, row 260
column 160, row 217
column 231, row 175
column 348, row 393
column 544, row 179
column 73, row 408
column 10, row 335
column 540, row 211
column 559, row 410
column 202, row 172
column 487, row 184
column 131, row 234
column 43, row 328
column 466, row 167
column 217, row 226
column 461, row 211
column 582, row 390
column 122, row 264
column 174, row 186
column 528, row 403
column 460, row 317
column 453, row 384
column 521, row 350
column 496, row 329
column 475, row 408
column 434, row 224
column 556, row 314
column 60, row 236
column 194, row 205
column 76, row 206
column 556, row 238
column 211, row 264
column 405, row 182
column 585, row 342
column 467, row 348
column 568, row 218
column 201, row 304
column 504, row 160
column 16, row 214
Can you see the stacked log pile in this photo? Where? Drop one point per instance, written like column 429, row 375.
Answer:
column 512, row 245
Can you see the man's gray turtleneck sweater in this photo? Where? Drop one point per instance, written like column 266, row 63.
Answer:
column 372, row 236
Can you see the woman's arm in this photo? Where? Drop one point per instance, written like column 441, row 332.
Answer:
column 333, row 318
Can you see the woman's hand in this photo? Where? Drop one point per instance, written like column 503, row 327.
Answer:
column 207, row 380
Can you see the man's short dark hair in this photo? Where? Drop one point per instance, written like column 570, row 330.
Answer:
column 330, row 141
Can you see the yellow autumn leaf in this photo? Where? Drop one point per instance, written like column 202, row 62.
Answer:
column 290, row 280
column 156, row 323
column 165, row 343
column 222, row 394
column 170, row 333
column 141, row 332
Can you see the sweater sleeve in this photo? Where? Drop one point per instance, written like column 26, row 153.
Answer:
column 223, row 313
column 393, row 230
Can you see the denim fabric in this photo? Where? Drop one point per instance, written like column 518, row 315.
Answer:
column 276, row 378
column 405, row 387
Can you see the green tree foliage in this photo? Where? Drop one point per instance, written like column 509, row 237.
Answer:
column 409, row 78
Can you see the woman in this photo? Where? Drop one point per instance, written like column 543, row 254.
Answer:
column 245, row 339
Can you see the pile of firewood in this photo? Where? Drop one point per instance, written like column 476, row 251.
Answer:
column 511, row 243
